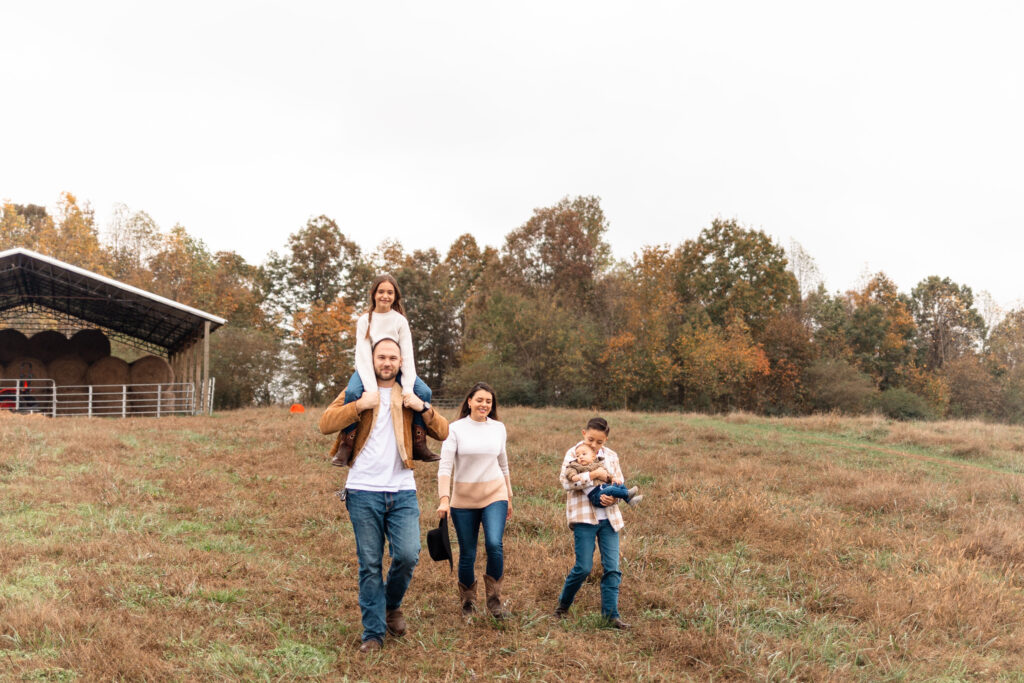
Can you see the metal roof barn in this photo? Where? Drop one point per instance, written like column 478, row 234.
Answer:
column 38, row 292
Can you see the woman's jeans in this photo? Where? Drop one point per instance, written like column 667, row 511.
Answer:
column 376, row 516
column 467, row 523
column 608, row 542
column 355, row 389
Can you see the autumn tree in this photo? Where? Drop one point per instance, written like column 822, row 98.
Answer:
column 947, row 323
column 729, row 271
column 316, row 267
column 716, row 365
column 881, row 330
column 560, row 250
column 323, row 339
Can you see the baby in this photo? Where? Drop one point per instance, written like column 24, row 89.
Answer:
column 586, row 461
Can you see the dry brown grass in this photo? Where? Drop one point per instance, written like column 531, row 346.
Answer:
column 214, row 549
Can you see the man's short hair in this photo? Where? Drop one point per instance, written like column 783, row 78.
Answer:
column 387, row 339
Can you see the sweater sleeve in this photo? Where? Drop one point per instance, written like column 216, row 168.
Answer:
column 503, row 461
column 408, row 361
column 444, row 468
column 364, row 354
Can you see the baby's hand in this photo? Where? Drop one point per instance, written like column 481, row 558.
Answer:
column 574, row 477
column 618, row 480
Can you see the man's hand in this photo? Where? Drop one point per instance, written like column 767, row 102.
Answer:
column 413, row 401
column 607, row 501
column 368, row 401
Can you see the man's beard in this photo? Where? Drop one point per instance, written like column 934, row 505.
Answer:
column 386, row 378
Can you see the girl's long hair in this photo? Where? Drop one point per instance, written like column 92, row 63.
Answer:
column 395, row 306
column 464, row 411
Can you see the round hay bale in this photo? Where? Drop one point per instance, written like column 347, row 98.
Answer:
column 151, row 392
column 73, row 400
column 151, row 370
column 29, row 374
column 108, row 376
column 91, row 345
column 68, row 370
column 48, row 344
column 13, row 344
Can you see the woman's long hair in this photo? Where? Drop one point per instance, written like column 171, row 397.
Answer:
column 464, row 411
column 395, row 306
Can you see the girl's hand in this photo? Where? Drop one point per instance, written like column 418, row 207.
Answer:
column 509, row 515
column 442, row 509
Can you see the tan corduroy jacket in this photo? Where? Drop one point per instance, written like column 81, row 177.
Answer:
column 340, row 415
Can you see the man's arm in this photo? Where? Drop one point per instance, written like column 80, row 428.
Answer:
column 339, row 414
column 437, row 425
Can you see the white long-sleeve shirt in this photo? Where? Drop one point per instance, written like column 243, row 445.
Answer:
column 391, row 324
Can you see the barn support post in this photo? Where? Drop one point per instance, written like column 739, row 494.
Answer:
column 207, row 408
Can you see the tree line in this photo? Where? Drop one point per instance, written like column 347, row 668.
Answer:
column 727, row 320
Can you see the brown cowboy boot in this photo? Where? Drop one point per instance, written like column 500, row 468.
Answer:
column 395, row 622
column 494, row 605
column 346, row 445
column 468, row 597
column 419, row 446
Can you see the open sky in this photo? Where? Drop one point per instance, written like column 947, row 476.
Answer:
column 878, row 135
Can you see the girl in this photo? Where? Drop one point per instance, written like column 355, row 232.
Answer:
column 385, row 318
column 474, row 457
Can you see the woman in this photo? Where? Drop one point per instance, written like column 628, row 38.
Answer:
column 473, row 458
column 590, row 523
column 385, row 318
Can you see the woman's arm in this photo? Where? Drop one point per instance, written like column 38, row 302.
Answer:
column 446, row 466
column 364, row 354
column 408, row 361
column 503, row 461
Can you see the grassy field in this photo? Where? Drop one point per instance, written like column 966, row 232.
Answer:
column 768, row 549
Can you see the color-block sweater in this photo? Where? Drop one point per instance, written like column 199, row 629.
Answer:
column 474, row 458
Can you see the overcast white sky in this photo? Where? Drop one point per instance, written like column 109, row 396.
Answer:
column 879, row 135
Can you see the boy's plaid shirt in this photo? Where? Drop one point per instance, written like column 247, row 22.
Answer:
column 578, row 508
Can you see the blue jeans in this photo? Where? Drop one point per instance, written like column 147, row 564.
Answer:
column 608, row 541
column 376, row 515
column 613, row 490
column 355, row 389
column 467, row 522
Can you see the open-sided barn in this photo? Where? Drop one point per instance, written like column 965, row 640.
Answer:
column 56, row 325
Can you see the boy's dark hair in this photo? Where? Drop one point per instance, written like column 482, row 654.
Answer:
column 600, row 424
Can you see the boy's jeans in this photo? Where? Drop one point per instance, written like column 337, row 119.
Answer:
column 614, row 490
column 608, row 541
column 375, row 516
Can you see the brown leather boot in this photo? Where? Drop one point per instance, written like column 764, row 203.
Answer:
column 494, row 605
column 419, row 446
column 346, row 445
column 468, row 596
column 395, row 622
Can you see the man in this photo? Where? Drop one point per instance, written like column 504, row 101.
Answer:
column 380, row 492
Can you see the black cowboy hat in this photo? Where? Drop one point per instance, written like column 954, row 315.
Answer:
column 438, row 544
